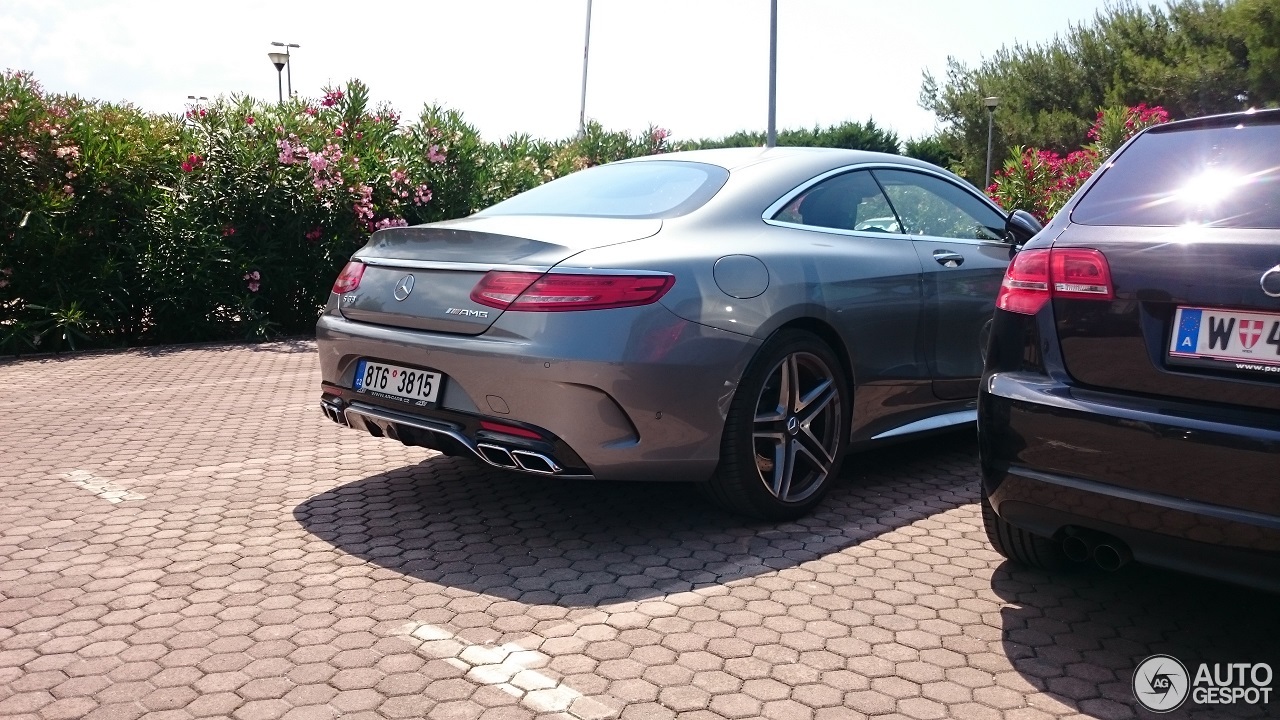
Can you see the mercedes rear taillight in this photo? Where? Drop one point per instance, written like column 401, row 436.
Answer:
column 556, row 292
column 1036, row 276
column 349, row 279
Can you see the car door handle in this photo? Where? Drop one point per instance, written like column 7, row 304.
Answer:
column 947, row 258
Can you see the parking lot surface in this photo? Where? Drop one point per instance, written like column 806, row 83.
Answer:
column 183, row 534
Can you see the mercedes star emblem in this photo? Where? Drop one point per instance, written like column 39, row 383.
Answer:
column 404, row 287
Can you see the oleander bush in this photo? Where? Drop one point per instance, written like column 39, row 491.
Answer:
column 85, row 198
column 1042, row 181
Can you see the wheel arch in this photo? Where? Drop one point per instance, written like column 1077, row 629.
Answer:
column 828, row 335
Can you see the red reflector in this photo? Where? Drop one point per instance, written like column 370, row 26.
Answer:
column 1035, row 276
column 556, row 292
column 509, row 430
column 349, row 279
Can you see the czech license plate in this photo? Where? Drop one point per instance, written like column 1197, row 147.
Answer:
column 1233, row 339
column 410, row 384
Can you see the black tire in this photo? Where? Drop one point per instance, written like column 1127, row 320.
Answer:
column 808, row 436
column 1019, row 545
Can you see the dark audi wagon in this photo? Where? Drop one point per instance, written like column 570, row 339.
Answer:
column 1130, row 405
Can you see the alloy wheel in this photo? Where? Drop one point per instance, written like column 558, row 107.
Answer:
column 796, row 430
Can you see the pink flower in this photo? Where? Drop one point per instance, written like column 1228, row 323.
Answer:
column 254, row 275
column 286, row 152
column 337, row 131
column 331, row 98
column 253, row 287
column 310, row 110
column 435, row 154
column 68, row 190
column 390, row 222
column 248, row 120
column 314, row 233
column 186, row 166
column 228, row 230
column 421, row 195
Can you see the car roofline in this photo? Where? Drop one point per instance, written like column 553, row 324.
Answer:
column 1269, row 116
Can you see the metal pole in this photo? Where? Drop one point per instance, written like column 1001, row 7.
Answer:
column 991, row 114
column 771, row 140
column 586, row 49
column 288, row 68
column 279, row 87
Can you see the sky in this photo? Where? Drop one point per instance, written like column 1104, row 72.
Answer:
column 696, row 67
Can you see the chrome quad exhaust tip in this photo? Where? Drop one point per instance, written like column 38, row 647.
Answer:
column 516, row 459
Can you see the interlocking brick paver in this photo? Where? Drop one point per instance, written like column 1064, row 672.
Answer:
column 264, row 563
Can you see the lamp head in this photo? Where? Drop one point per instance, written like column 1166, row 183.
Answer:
column 991, row 102
column 279, row 60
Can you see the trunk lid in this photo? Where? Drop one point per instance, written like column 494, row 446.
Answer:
column 1125, row 344
column 421, row 277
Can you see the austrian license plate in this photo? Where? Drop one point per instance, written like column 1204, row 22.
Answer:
column 1231, row 339
column 410, row 384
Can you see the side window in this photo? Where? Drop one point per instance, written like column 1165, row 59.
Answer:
column 935, row 207
column 851, row 201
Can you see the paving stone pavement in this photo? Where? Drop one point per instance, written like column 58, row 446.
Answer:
column 183, row 535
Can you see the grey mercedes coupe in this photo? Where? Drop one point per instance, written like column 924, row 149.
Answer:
column 739, row 318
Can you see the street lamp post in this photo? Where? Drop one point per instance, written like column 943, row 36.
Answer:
column 280, row 60
column 288, row 65
column 771, row 136
column 586, row 49
column 991, row 104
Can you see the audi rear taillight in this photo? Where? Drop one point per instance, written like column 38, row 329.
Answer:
column 1036, row 276
column 1080, row 273
column 557, row 292
column 1026, row 283
column 349, row 279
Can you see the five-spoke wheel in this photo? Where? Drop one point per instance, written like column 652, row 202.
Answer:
column 785, row 434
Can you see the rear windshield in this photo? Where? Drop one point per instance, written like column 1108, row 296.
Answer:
column 652, row 189
column 1215, row 176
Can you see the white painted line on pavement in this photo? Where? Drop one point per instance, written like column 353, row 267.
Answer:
column 509, row 667
column 102, row 487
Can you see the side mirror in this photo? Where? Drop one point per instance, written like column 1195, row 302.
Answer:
column 1021, row 226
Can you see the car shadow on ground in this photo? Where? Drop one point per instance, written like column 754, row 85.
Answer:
column 543, row 541
column 1078, row 634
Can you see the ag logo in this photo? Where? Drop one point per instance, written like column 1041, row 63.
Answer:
column 1161, row 683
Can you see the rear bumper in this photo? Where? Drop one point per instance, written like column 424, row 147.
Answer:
column 1182, row 489
column 628, row 394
